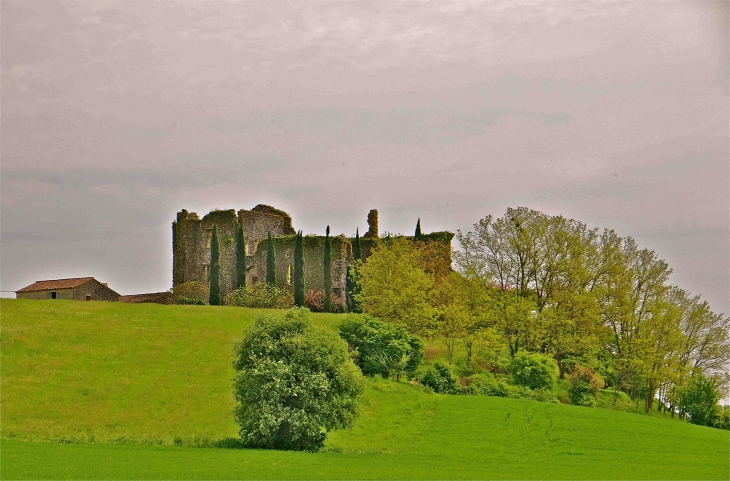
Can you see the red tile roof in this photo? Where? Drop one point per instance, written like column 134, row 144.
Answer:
column 56, row 284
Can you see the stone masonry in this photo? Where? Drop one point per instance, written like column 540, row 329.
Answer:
column 191, row 237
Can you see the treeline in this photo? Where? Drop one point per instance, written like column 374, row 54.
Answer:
column 594, row 298
column 590, row 299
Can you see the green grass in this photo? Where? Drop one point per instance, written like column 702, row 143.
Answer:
column 94, row 374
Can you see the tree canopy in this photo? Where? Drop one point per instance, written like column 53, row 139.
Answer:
column 593, row 298
column 293, row 383
column 394, row 288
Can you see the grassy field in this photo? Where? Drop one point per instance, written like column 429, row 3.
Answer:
column 122, row 383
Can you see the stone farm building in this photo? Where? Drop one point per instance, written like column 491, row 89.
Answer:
column 191, row 239
column 77, row 288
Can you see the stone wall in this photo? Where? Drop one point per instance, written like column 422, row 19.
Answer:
column 192, row 237
column 313, row 247
column 96, row 290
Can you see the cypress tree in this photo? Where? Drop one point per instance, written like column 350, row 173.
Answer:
column 327, row 273
column 299, row 271
column 215, row 270
column 356, row 248
column 240, row 258
column 270, row 263
column 350, row 280
column 418, row 230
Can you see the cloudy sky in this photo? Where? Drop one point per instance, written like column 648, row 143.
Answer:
column 116, row 115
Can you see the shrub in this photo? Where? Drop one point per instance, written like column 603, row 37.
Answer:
column 486, row 384
column 441, row 379
column 260, row 295
column 339, row 304
column 193, row 290
column 293, row 383
column 190, row 301
column 380, row 347
column 698, row 400
column 314, row 300
column 534, row 370
column 584, row 386
column 723, row 418
column 543, row 395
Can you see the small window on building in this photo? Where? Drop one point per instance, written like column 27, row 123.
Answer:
column 88, row 297
column 52, row 295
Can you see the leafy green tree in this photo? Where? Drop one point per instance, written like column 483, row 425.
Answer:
column 723, row 419
column 698, row 400
column 572, row 329
column 215, row 269
column 382, row 348
column 354, row 287
column 270, row 262
column 299, row 287
column 463, row 308
column 582, row 296
column 240, row 258
column 440, row 379
column 534, row 370
column 327, row 272
column 293, row 383
column 417, row 235
column 395, row 289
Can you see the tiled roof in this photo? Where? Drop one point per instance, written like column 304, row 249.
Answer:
column 56, row 284
column 140, row 298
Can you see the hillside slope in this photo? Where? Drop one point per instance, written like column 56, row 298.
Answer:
column 157, row 375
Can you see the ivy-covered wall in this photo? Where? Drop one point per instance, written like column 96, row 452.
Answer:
column 313, row 246
column 191, row 239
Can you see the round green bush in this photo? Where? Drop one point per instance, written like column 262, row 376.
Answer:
column 584, row 386
column 534, row 370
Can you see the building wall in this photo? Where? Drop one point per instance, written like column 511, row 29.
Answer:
column 62, row 294
column 97, row 291
column 192, row 238
column 313, row 247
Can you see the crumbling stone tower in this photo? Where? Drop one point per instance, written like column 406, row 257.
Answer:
column 191, row 238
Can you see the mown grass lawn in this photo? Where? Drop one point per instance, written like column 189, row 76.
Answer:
column 102, row 373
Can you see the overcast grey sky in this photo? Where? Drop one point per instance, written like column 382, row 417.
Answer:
column 115, row 115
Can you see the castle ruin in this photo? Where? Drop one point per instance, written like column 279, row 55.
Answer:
column 191, row 239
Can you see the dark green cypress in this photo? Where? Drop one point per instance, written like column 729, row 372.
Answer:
column 327, row 273
column 299, row 271
column 350, row 286
column 271, row 263
column 418, row 230
column 356, row 248
column 175, row 254
column 240, row 258
column 215, row 270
